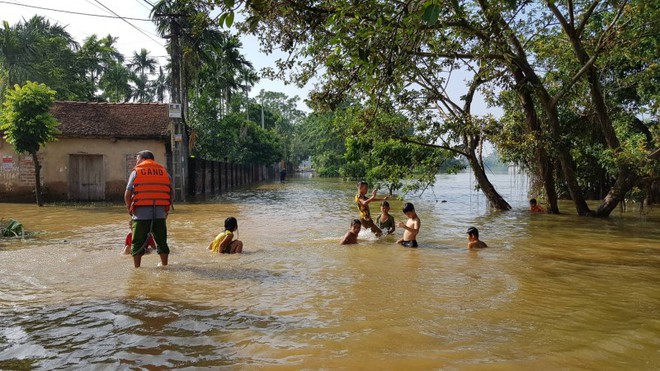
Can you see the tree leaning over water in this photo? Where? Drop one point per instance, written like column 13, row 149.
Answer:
column 28, row 124
column 409, row 53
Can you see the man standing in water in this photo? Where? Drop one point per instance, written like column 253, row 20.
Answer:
column 148, row 198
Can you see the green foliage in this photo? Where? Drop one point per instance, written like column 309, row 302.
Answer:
column 26, row 120
column 36, row 50
column 11, row 228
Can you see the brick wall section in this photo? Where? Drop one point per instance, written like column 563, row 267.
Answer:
column 26, row 170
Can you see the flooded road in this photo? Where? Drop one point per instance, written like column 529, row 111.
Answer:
column 554, row 292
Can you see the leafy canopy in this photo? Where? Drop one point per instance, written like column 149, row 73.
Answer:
column 26, row 120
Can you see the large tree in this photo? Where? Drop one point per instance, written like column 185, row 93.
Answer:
column 411, row 51
column 28, row 124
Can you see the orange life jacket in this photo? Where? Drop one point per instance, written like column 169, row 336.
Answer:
column 152, row 185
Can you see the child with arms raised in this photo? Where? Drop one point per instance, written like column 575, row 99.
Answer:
column 363, row 207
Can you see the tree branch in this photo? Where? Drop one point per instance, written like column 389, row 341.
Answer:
column 585, row 17
column 424, row 144
column 575, row 79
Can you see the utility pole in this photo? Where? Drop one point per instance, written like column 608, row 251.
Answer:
column 262, row 113
column 179, row 135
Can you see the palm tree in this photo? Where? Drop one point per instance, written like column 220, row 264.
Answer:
column 115, row 83
column 96, row 56
column 142, row 62
column 142, row 89
column 160, row 85
column 37, row 50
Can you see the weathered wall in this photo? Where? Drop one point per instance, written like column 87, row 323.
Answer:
column 208, row 178
column 17, row 172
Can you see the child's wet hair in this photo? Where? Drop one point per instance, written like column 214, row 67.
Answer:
column 472, row 231
column 408, row 207
column 385, row 204
column 532, row 201
column 362, row 183
column 355, row 221
column 231, row 224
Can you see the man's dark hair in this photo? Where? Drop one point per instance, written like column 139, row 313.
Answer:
column 532, row 201
column 362, row 183
column 472, row 231
column 385, row 204
column 146, row 155
column 356, row 221
column 408, row 207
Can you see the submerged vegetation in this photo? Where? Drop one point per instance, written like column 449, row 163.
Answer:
column 11, row 228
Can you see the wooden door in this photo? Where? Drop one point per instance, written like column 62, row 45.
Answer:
column 86, row 178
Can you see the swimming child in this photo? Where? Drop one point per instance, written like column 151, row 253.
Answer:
column 363, row 207
column 151, row 244
column 473, row 239
column 385, row 221
column 534, row 207
column 411, row 226
column 223, row 243
column 351, row 236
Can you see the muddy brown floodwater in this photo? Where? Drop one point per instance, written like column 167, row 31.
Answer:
column 553, row 292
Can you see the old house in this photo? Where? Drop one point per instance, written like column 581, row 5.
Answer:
column 93, row 155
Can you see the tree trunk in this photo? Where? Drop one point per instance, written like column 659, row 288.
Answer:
column 626, row 177
column 495, row 199
column 543, row 160
column 565, row 158
column 616, row 194
column 37, row 175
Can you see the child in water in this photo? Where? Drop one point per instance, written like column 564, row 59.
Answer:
column 224, row 242
column 534, row 207
column 473, row 239
column 351, row 236
column 363, row 207
column 151, row 244
column 385, row 221
column 411, row 226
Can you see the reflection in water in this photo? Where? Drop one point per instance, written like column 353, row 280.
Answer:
column 554, row 292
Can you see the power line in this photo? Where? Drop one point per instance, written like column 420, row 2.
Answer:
column 131, row 24
column 76, row 13
column 144, row 6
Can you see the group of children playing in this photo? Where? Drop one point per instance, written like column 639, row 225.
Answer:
column 385, row 221
column 224, row 243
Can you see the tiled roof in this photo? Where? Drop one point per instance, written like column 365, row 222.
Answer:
column 112, row 120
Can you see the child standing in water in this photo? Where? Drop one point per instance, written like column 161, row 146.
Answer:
column 224, row 242
column 151, row 244
column 411, row 226
column 473, row 239
column 385, row 221
column 363, row 207
column 535, row 207
column 351, row 236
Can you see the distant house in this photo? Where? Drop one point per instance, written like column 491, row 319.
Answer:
column 93, row 155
